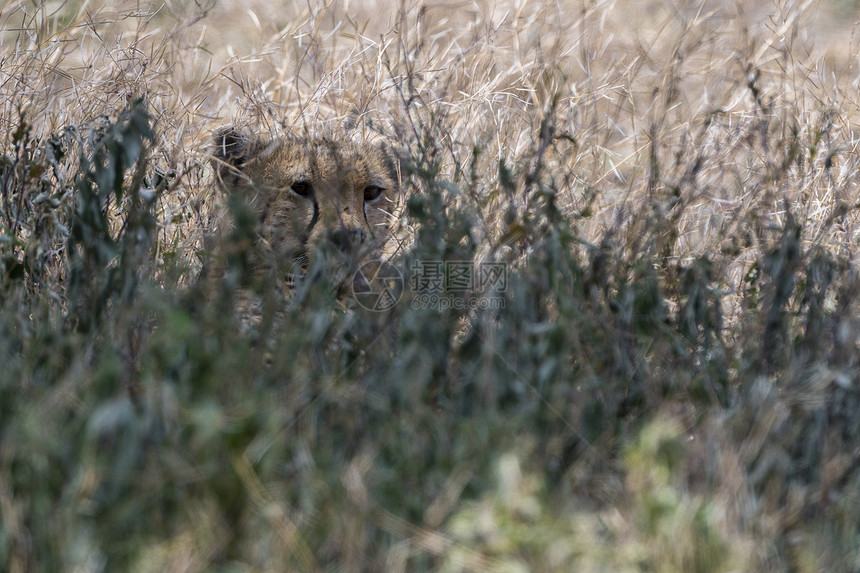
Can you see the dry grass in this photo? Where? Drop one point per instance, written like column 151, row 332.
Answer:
column 671, row 90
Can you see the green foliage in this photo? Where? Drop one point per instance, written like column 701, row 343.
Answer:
column 143, row 420
column 103, row 262
column 515, row 526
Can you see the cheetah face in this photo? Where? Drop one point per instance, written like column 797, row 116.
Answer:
column 313, row 197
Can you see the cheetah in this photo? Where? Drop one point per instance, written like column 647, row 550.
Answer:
column 310, row 196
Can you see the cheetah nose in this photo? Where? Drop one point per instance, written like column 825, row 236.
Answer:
column 347, row 239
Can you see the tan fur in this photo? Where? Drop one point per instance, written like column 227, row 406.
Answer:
column 310, row 194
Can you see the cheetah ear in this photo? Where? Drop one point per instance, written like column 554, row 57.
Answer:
column 231, row 149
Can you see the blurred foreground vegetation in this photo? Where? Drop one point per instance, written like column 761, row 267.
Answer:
column 638, row 401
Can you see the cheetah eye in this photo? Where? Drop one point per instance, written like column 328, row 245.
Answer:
column 302, row 188
column 372, row 193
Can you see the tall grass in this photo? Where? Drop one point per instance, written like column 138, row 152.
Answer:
column 666, row 378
